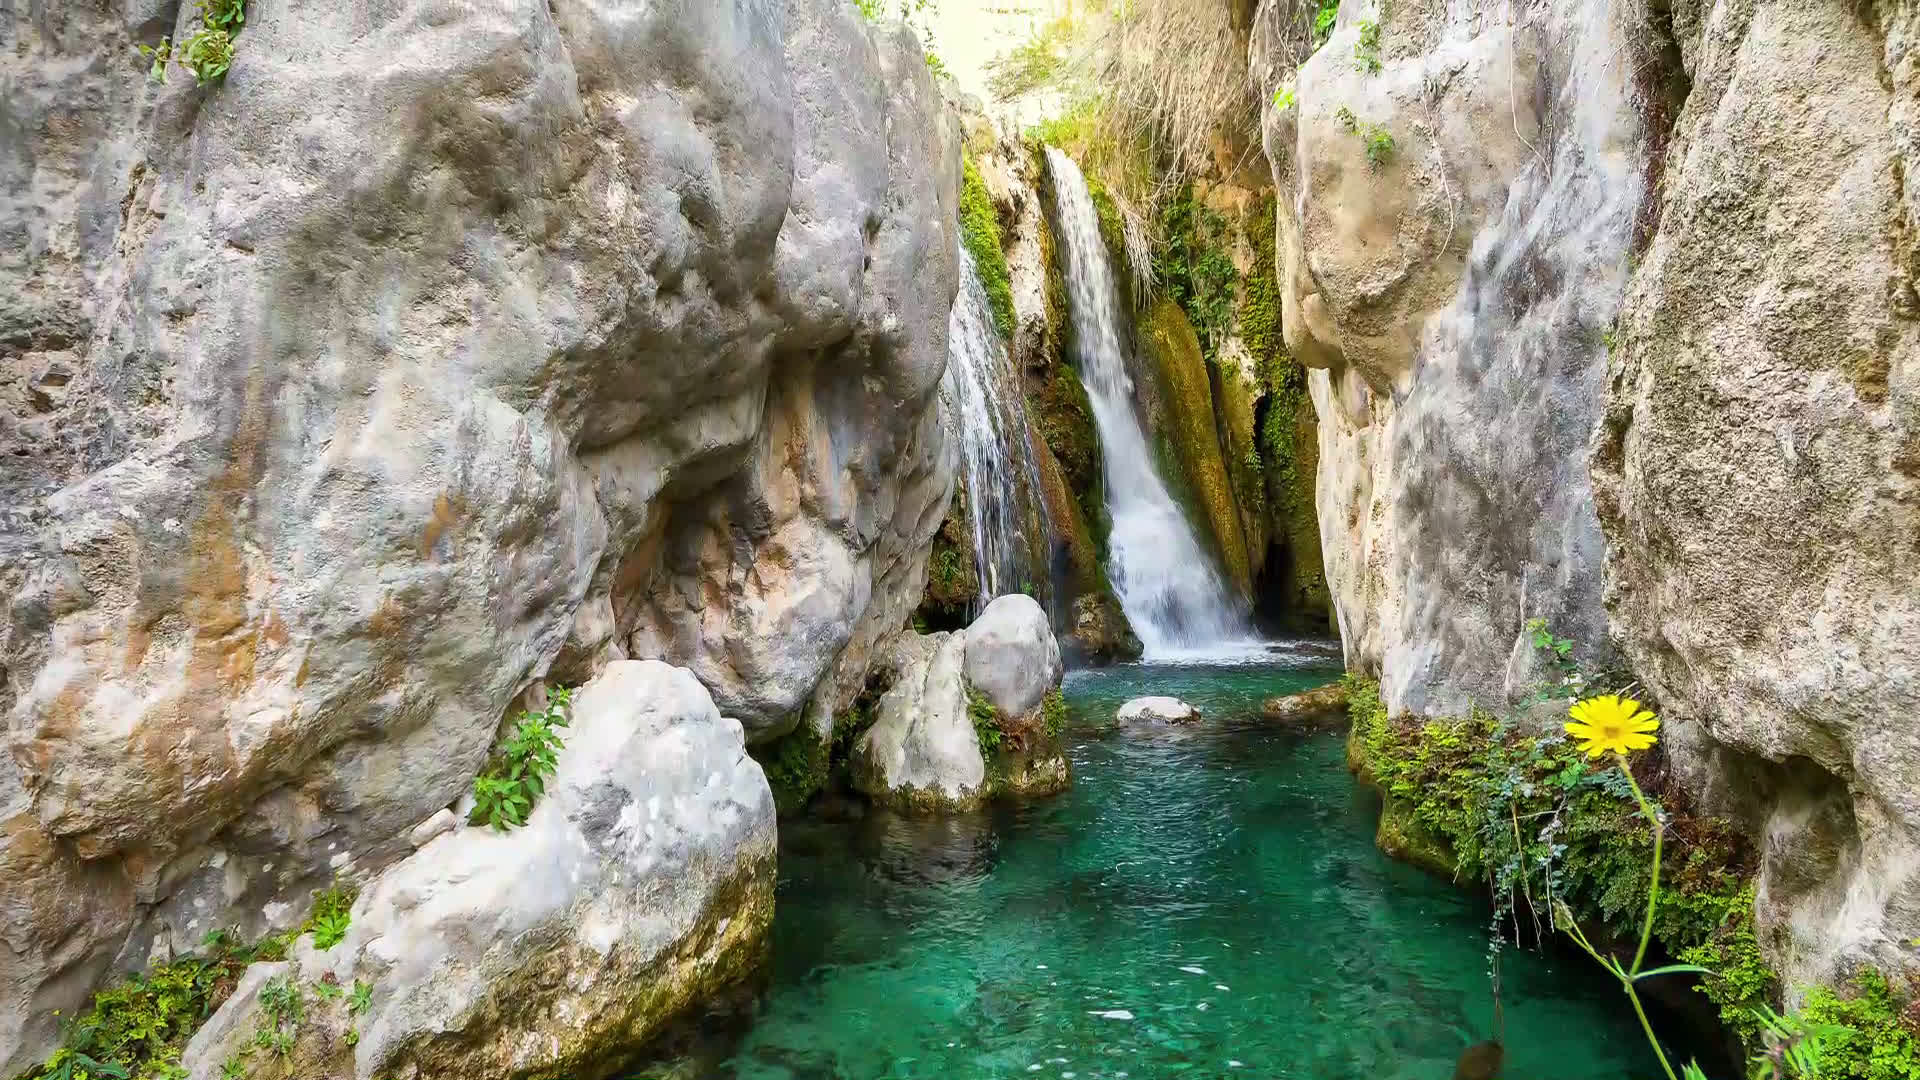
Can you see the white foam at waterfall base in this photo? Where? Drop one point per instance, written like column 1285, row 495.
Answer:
column 990, row 427
column 1176, row 600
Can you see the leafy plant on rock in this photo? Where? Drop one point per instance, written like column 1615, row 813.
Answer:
column 208, row 51
column 505, row 791
column 1376, row 141
column 986, row 720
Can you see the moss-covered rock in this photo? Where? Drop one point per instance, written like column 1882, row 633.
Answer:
column 980, row 232
column 1171, row 359
column 1286, row 434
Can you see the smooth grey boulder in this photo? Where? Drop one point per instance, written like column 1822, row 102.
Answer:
column 922, row 753
column 1012, row 655
column 649, row 861
column 1157, row 710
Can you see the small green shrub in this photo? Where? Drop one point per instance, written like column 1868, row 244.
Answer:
column 208, row 52
column 1053, row 709
column 1323, row 20
column 1366, row 51
column 136, row 1028
column 1376, row 141
column 517, row 774
column 986, row 720
column 980, row 231
column 1877, row 1045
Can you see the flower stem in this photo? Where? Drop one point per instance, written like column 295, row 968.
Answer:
column 1648, row 1028
column 1653, row 886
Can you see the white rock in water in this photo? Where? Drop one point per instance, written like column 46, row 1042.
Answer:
column 1157, row 710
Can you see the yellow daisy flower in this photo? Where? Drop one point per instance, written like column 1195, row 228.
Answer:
column 1611, row 724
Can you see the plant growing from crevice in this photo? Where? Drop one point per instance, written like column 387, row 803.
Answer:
column 1323, row 21
column 516, row 775
column 1053, row 711
column 1376, row 141
column 1366, row 49
column 208, row 51
column 331, row 915
column 986, row 720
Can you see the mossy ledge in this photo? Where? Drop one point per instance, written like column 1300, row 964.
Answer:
column 1480, row 799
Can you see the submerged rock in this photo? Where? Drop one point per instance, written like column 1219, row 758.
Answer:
column 641, row 883
column 1321, row 708
column 1157, row 710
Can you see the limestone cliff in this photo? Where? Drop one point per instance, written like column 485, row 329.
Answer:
column 1758, row 465
column 1611, row 319
column 423, row 358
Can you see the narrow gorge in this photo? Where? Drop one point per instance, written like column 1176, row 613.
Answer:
column 617, row 540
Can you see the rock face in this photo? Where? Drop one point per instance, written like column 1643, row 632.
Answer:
column 923, row 751
column 1451, row 291
column 347, row 398
column 648, row 862
column 1759, row 465
column 1683, row 428
column 1157, row 710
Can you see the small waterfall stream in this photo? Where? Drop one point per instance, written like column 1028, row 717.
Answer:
column 1167, row 585
column 991, row 429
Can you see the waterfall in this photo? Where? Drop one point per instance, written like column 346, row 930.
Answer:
column 1166, row 584
column 991, row 428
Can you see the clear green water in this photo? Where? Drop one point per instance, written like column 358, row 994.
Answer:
column 1219, row 887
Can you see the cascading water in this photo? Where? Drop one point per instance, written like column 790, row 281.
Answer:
column 1168, row 587
column 991, row 429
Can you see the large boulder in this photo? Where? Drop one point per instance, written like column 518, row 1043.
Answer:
column 1011, row 654
column 1758, row 471
column 923, row 752
column 648, row 863
column 348, row 398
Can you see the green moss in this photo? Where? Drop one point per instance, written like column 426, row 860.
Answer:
column 1191, row 434
column 1191, row 267
column 797, row 766
column 1113, row 232
column 980, row 231
column 1878, row 1045
column 1486, row 791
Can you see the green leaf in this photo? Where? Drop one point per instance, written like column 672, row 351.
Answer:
column 1674, row 969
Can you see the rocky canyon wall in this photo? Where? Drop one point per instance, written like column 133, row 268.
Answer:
column 1612, row 318
column 429, row 357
